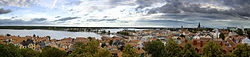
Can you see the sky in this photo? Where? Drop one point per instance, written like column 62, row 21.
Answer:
column 126, row 13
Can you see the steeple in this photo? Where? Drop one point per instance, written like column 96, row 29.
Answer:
column 199, row 26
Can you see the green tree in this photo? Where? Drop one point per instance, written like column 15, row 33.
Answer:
column 242, row 50
column 108, row 32
column 92, row 47
column 248, row 34
column 129, row 51
column 49, row 37
column 155, row 48
column 80, row 49
column 189, row 51
column 34, row 35
column 103, row 53
column 104, row 31
column 78, row 45
column 172, row 49
column 222, row 36
column 27, row 52
column 89, row 38
column 182, row 35
column 85, row 50
column 8, row 35
column 240, row 32
column 52, row 52
column 103, row 45
column 110, row 42
column 9, row 51
column 123, row 33
column 89, row 50
column 212, row 49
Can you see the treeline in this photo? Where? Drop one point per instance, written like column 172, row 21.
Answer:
column 211, row 49
column 12, row 51
column 152, row 49
column 91, row 49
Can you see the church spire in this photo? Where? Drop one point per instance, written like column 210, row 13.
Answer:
column 199, row 26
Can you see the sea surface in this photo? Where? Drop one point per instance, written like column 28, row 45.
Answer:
column 57, row 34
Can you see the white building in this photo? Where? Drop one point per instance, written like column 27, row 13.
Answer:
column 216, row 33
column 246, row 40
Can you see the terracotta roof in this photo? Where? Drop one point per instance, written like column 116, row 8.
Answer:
column 62, row 49
column 140, row 51
column 37, row 46
column 53, row 40
column 218, row 40
column 2, row 42
column 135, row 41
column 2, row 37
column 15, row 42
column 115, row 51
column 81, row 39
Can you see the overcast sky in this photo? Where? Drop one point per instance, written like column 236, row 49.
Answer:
column 125, row 13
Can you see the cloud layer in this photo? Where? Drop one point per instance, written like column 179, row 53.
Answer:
column 3, row 11
column 34, row 21
column 236, row 8
column 18, row 3
column 168, row 13
column 67, row 18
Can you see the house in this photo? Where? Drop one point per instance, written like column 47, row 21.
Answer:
column 66, row 40
column 84, row 40
column 246, row 40
column 27, row 44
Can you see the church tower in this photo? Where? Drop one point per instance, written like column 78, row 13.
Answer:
column 199, row 26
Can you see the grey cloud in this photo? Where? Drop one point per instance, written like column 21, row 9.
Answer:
column 57, row 16
column 164, row 21
column 3, row 11
column 196, row 17
column 9, row 21
column 106, row 4
column 22, row 22
column 17, row 3
column 141, row 3
column 241, row 8
column 67, row 18
column 167, row 23
column 147, row 3
column 124, row 21
column 238, row 8
column 177, row 6
column 74, row 3
column 39, row 19
column 121, row 2
column 190, row 19
column 105, row 16
column 13, row 17
column 213, row 17
column 100, row 20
